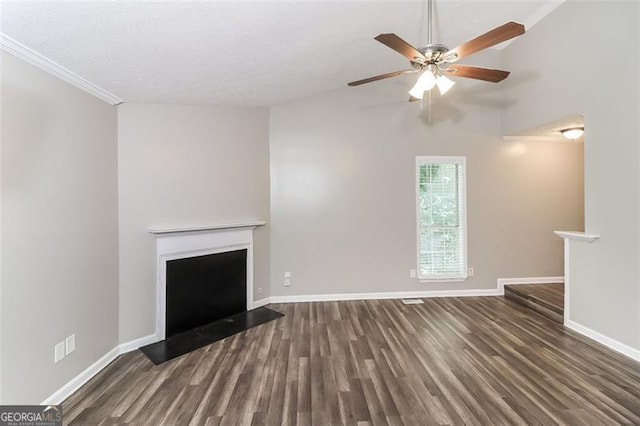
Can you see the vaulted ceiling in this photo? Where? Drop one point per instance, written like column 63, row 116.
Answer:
column 239, row 52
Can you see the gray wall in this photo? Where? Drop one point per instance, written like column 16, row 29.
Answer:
column 59, row 230
column 179, row 166
column 343, row 190
column 605, row 279
column 341, row 208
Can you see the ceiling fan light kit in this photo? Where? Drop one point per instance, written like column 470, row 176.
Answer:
column 444, row 84
column 427, row 81
column 436, row 60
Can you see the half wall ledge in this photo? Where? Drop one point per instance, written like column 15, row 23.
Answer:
column 577, row 236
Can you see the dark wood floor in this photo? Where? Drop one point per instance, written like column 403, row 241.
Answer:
column 449, row 361
column 552, row 294
column 546, row 299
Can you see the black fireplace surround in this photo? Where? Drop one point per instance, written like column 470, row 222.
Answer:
column 204, row 289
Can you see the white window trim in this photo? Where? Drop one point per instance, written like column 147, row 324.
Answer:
column 427, row 159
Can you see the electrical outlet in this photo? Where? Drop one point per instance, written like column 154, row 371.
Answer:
column 58, row 352
column 470, row 272
column 412, row 273
column 70, row 344
column 287, row 282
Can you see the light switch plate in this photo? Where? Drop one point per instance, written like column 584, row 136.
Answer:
column 58, row 354
column 70, row 343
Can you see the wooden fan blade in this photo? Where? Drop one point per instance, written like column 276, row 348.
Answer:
column 478, row 73
column 402, row 47
column 380, row 77
column 488, row 39
column 412, row 99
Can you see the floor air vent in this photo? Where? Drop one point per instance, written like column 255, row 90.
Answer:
column 412, row 301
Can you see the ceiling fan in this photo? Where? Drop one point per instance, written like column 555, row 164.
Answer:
column 436, row 61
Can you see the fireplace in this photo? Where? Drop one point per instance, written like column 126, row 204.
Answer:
column 204, row 274
column 204, row 289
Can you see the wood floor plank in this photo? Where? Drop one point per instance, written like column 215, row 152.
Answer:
column 551, row 295
column 379, row 362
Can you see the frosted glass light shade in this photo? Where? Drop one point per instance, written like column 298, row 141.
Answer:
column 425, row 82
column 444, row 84
column 572, row 133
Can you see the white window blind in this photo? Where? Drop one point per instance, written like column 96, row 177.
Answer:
column 441, row 214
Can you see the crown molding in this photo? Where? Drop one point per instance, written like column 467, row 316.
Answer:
column 34, row 58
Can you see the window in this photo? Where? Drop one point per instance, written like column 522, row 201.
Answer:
column 442, row 218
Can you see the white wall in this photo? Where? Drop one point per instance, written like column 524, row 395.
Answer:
column 564, row 77
column 59, row 230
column 343, row 190
column 179, row 166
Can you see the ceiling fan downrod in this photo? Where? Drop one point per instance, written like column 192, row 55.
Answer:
column 429, row 22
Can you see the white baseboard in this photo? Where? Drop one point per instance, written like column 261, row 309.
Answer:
column 382, row 295
column 606, row 341
column 261, row 302
column 76, row 383
column 526, row 280
column 132, row 345
column 498, row 291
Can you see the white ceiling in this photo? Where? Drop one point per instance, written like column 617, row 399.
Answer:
column 243, row 53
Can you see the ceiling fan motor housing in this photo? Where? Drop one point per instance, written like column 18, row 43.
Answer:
column 432, row 52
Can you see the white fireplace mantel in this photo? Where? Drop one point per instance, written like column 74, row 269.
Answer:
column 200, row 228
column 184, row 242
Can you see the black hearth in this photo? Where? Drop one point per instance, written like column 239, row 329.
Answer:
column 206, row 301
column 183, row 343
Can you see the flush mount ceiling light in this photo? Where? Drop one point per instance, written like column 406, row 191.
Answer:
column 572, row 133
column 435, row 60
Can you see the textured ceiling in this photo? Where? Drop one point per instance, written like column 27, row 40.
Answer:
column 238, row 52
